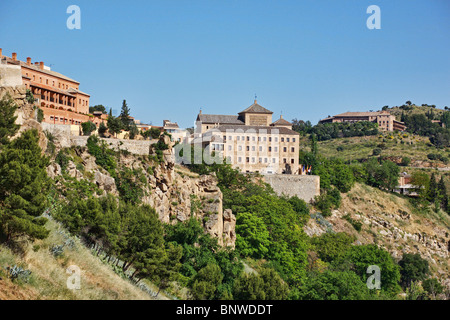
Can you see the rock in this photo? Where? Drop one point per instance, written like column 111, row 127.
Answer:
column 73, row 171
column 53, row 170
column 105, row 182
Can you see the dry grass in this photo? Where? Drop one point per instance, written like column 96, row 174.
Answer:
column 49, row 278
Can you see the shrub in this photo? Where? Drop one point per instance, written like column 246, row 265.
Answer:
column 88, row 127
column 376, row 151
column 405, row 161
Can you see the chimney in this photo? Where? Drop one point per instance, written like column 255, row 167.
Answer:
column 281, row 116
column 14, row 56
column 29, row 61
column 36, row 63
column 41, row 65
column 1, row 53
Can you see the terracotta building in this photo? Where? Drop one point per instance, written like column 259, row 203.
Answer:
column 385, row 121
column 56, row 94
column 250, row 141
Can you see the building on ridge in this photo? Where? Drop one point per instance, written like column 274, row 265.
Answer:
column 385, row 121
column 250, row 141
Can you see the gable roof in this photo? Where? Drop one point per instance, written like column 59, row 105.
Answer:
column 256, row 108
column 257, row 129
column 281, row 122
column 220, row 119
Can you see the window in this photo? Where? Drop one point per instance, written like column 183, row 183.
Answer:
column 260, row 160
column 293, row 139
column 265, row 160
column 284, row 149
column 270, row 139
column 240, row 148
column 248, row 148
column 230, row 138
column 292, row 149
column 284, row 160
column 238, row 138
column 253, row 160
column 247, row 159
column 282, row 139
column 46, row 81
column 253, row 148
column 248, row 138
column 253, row 139
column 243, row 139
column 229, row 148
column 276, row 139
column 274, row 160
column 239, row 159
column 276, row 149
column 292, row 161
column 265, row 139
column 287, row 139
column 260, row 149
column 270, row 149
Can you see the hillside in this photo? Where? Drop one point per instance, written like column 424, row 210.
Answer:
column 393, row 223
column 48, row 278
column 395, row 146
column 415, row 109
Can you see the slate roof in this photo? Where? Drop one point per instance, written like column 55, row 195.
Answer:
column 220, row 119
column 256, row 108
column 258, row 129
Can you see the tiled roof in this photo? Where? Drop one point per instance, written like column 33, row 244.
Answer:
column 256, row 108
column 50, row 72
column 220, row 119
column 361, row 114
column 281, row 122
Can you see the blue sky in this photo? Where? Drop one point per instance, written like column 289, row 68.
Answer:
column 306, row 59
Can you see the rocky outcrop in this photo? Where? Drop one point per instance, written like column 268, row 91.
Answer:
column 390, row 222
column 105, row 182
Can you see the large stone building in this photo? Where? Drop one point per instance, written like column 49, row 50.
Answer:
column 250, row 141
column 385, row 121
column 57, row 95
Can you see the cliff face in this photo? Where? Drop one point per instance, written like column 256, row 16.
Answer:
column 392, row 223
column 176, row 193
column 26, row 113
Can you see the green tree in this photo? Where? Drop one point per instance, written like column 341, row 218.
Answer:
column 88, row 127
column 206, row 282
column 266, row 285
column 98, row 107
column 8, row 126
column 114, row 125
column 331, row 246
column 384, row 176
column 334, row 285
column 23, row 187
column 133, row 131
column 102, row 128
column 125, row 116
column 363, row 256
column 413, row 268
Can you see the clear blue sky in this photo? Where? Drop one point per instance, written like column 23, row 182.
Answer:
column 308, row 59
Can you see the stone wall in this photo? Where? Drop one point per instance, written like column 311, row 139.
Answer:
column 10, row 75
column 305, row 187
column 139, row 147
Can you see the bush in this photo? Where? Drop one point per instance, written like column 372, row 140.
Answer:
column 376, row 151
column 40, row 115
column 405, row 161
column 88, row 127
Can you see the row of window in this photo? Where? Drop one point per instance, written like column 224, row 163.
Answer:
column 56, row 119
column 243, row 138
column 262, row 160
column 220, row 147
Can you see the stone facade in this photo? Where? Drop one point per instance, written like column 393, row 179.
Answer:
column 306, row 187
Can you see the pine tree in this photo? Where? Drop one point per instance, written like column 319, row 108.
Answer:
column 125, row 116
column 8, row 127
column 432, row 189
column 23, row 187
column 443, row 193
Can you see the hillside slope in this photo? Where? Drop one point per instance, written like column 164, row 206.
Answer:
column 48, row 278
column 394, row 224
